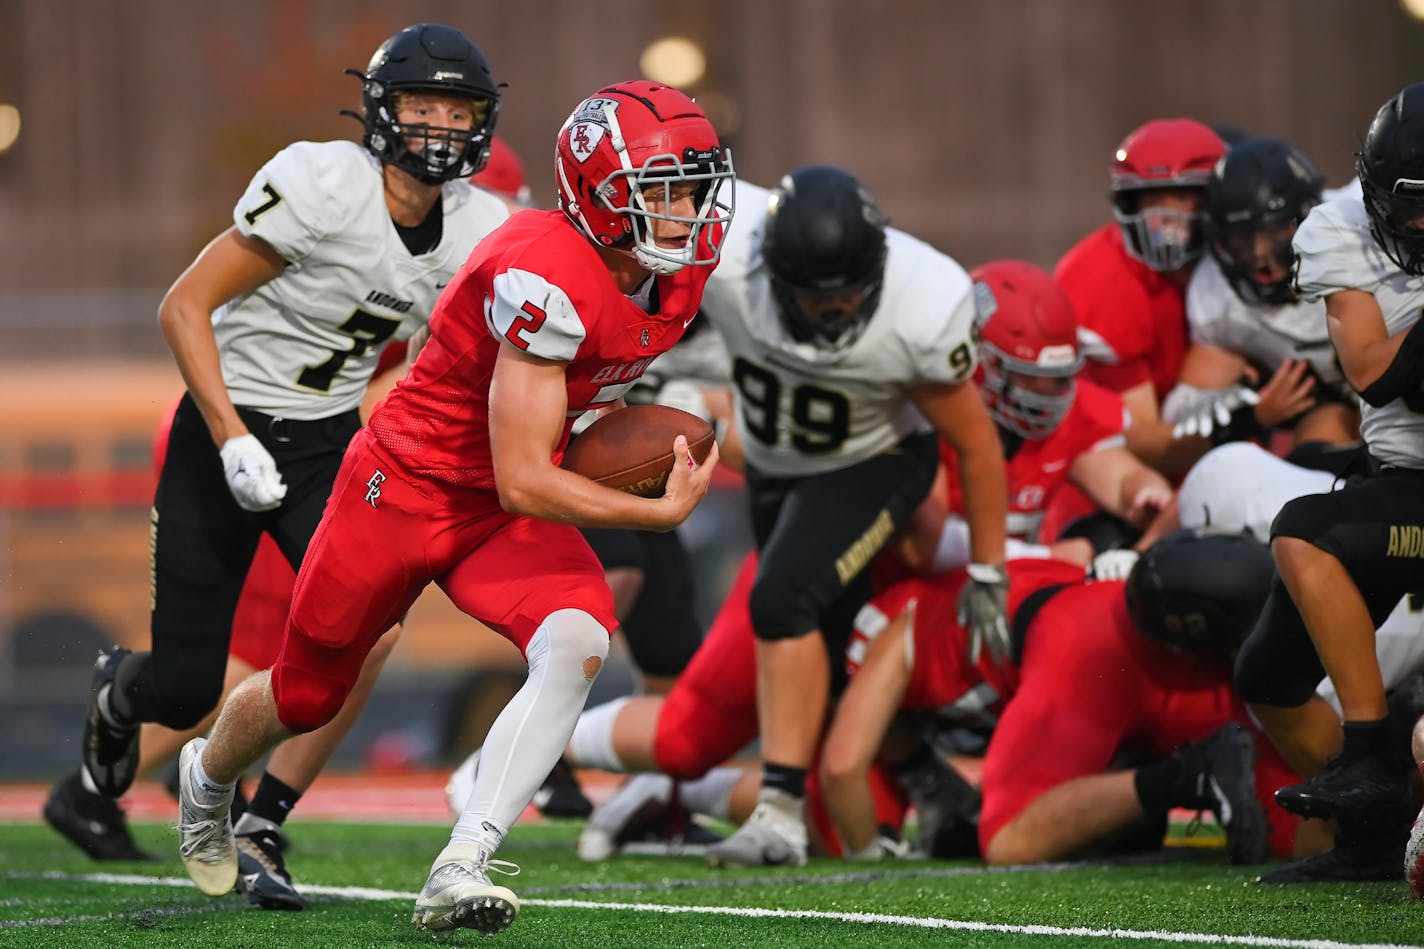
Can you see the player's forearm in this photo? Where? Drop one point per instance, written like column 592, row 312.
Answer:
column 1153, row 442
column 986, row 501
column 550, row 493
column 187, row 328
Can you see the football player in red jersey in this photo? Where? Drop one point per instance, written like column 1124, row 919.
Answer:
column 1055, row 428
column 455, row 480
column 1128, row 279
column 1157, row 693
column 1141, row 672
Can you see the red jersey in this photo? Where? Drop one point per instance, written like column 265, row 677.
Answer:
column 1039, row 467
column 436, row 420
column 1093, row 689
column 1132, row 320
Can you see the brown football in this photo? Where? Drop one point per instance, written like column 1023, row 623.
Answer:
column 630, row 449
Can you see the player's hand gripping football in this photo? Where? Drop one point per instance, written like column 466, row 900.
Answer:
column 687, row 482
column 983, row 610
column 252, row 474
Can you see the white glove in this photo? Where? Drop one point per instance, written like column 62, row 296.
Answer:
column 1210, row 413
column 1113, row 564
column 252, row 474
column 983, row 608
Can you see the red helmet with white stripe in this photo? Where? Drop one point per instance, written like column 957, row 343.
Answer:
column 626, row 139
column 1028, row 346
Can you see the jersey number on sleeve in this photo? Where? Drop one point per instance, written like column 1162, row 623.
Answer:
column 820, row 418
column 367, row 330
column 532, row 319
column 273, row 199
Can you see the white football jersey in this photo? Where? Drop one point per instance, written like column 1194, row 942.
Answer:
column 805, row 410
column 1265, row 333
column 304, row 345
column 1336, row 252
column 1243, row 486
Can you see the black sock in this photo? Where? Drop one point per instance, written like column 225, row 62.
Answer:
column 1160, row 785
column 783, row 778
column 124, row 696
column 1363, row 739
column 273, row 799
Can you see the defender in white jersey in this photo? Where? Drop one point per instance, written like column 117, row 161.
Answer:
column 1247, row 324
column 1346, row 558
column 852, row 349
column 335, row 249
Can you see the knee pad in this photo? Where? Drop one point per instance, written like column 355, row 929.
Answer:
column 780, row 612
column 568, row 642
column 310, row 680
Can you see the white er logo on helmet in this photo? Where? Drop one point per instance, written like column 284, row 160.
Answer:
column 584, row 138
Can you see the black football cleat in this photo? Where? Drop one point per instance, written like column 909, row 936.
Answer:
column 110, row 751
column 92, row 822
column 1364, row 789
column 261, row 872
column 946, row 808
column 1223, row 765
column 560, row 794
column 1361, row 853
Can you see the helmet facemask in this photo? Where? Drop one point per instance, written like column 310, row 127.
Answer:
column 829, row 328
column 431, row 59
column 1031, row 411
column 1396, row 219
column 1244, row 252
column 1164, row 238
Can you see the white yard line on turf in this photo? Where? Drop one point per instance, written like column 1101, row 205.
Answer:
column 919, row 922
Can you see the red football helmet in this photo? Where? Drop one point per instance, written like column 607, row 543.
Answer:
column 1028, row 346
column 632, row 136
column 1164, row 153
column 503, row 173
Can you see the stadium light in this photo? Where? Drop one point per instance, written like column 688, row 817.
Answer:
column 9, row 126
column 674, row 60
column 1414, row 8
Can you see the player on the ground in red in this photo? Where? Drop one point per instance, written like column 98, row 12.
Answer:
column 455, row 480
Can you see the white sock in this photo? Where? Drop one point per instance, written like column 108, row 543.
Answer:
column 592, row 743
column 205, row 788
column 710, row 794
column 528, row 737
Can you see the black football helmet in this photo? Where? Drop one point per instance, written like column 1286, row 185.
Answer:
column 428, row 57
column 824, row 234
column 1199, row 591
column 1262, row 188
column 1391, row 170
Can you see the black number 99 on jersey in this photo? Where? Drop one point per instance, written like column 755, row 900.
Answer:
column 819, row 419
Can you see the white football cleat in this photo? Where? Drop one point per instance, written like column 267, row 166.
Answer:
column 774, row 835
column 462, row 783
column 459, row 894
column 206, row 845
